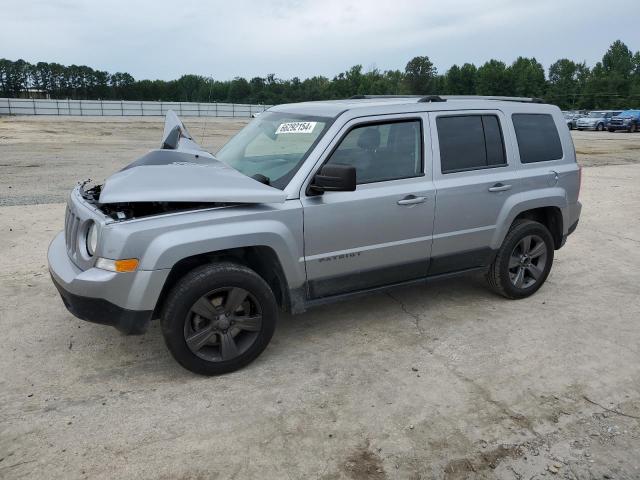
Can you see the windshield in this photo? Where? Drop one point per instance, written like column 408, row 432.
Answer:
column 274, row 145
column 630, row 113
column 596, row 114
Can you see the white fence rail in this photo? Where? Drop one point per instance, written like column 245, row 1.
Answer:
column 20, row 106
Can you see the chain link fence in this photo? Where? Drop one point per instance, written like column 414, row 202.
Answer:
column 19, row 106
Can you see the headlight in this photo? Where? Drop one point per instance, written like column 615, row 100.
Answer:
column 92, row 239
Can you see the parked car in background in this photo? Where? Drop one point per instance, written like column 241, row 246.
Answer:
column 571, row 118
column 597, row 120
column 628, row 120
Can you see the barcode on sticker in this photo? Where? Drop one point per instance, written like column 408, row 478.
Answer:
column 296, row 127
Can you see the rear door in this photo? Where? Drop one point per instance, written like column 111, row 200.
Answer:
column 474, row 175
column 380, row 233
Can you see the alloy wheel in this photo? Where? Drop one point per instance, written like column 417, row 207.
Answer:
column 223, row 324
column 527, row 261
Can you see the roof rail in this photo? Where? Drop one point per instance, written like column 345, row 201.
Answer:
column 364, row 97
column 495, row 97
column 444, row 98
column 432, row 98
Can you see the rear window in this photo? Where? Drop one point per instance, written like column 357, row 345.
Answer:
column 538, row 138
column 470, row 142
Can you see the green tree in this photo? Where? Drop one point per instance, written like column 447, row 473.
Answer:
column 461, row 80
column 419, row 76
column 493, row 78
column 239, row 90
column 566, row 83
column 528, row 77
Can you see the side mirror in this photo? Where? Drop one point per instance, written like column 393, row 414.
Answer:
column 335, row 178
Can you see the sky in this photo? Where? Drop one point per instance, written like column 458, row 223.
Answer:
column 224, row 39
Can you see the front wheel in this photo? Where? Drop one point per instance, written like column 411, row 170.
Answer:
column 633, row 128
column 524, row 260
column 600, row 127
column 612, row 130
column 218, row 318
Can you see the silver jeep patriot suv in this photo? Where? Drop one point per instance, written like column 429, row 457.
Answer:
column 315, row 202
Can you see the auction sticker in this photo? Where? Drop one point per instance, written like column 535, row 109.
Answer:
column 296, row 127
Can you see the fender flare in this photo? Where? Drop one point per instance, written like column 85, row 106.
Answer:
column 521, row 202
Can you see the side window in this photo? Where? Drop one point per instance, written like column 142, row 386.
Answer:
column 382, row 151
column 538, row 138
column 470, row 142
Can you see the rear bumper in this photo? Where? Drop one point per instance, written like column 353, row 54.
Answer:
column 572, row 219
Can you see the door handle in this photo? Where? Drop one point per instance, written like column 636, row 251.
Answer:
column 500, row 187
column 412, row 200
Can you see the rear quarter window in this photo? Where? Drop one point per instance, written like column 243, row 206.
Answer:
column 538, row 138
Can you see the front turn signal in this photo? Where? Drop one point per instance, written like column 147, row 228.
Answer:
column 126, row 265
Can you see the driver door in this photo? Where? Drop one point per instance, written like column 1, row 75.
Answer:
column 381, row 233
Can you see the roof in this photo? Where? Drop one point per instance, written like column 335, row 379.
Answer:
column 372, row 104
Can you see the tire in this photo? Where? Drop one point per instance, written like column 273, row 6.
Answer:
column 503, row 275
column 600, row 127
column 228, row 313
column 579, row 129
column 633, row 128
column 612, row 130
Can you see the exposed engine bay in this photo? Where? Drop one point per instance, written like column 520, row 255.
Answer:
column 130, row 210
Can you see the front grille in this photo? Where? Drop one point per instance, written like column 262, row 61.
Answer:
column 71, row 225
column 76, row 223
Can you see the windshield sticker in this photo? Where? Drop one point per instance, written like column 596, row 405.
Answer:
column 296, row 127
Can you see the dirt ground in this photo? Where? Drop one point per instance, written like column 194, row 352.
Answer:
column 445, row 381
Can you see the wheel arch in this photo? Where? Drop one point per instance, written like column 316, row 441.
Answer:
column 549, row 207
column 260, row 258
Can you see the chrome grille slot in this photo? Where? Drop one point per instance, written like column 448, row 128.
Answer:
column 77, row 219
column 66, row 227
column 74, row 234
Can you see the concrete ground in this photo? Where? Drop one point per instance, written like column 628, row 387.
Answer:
column 444, row 381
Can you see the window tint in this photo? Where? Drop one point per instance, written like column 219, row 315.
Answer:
column 493, row 140
column 384, row 151
column 538, row 139
column 469, row 142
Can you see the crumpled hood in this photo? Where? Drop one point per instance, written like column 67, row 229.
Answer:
column 181, row 176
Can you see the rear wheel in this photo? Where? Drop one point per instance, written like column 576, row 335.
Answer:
column 219, row 318
column 600, row 127
column 523, row 261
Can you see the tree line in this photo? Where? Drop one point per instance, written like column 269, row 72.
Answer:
column 613, row 82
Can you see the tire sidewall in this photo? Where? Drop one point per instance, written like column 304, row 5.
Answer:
column 198, row 283
column 520, row 231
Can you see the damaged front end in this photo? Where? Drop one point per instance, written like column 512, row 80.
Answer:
column 130, row 210
column 180, row 176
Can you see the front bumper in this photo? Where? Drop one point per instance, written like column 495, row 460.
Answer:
column 588, row 126
column 125, row 301
column 98, row 310
column 620, row 126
